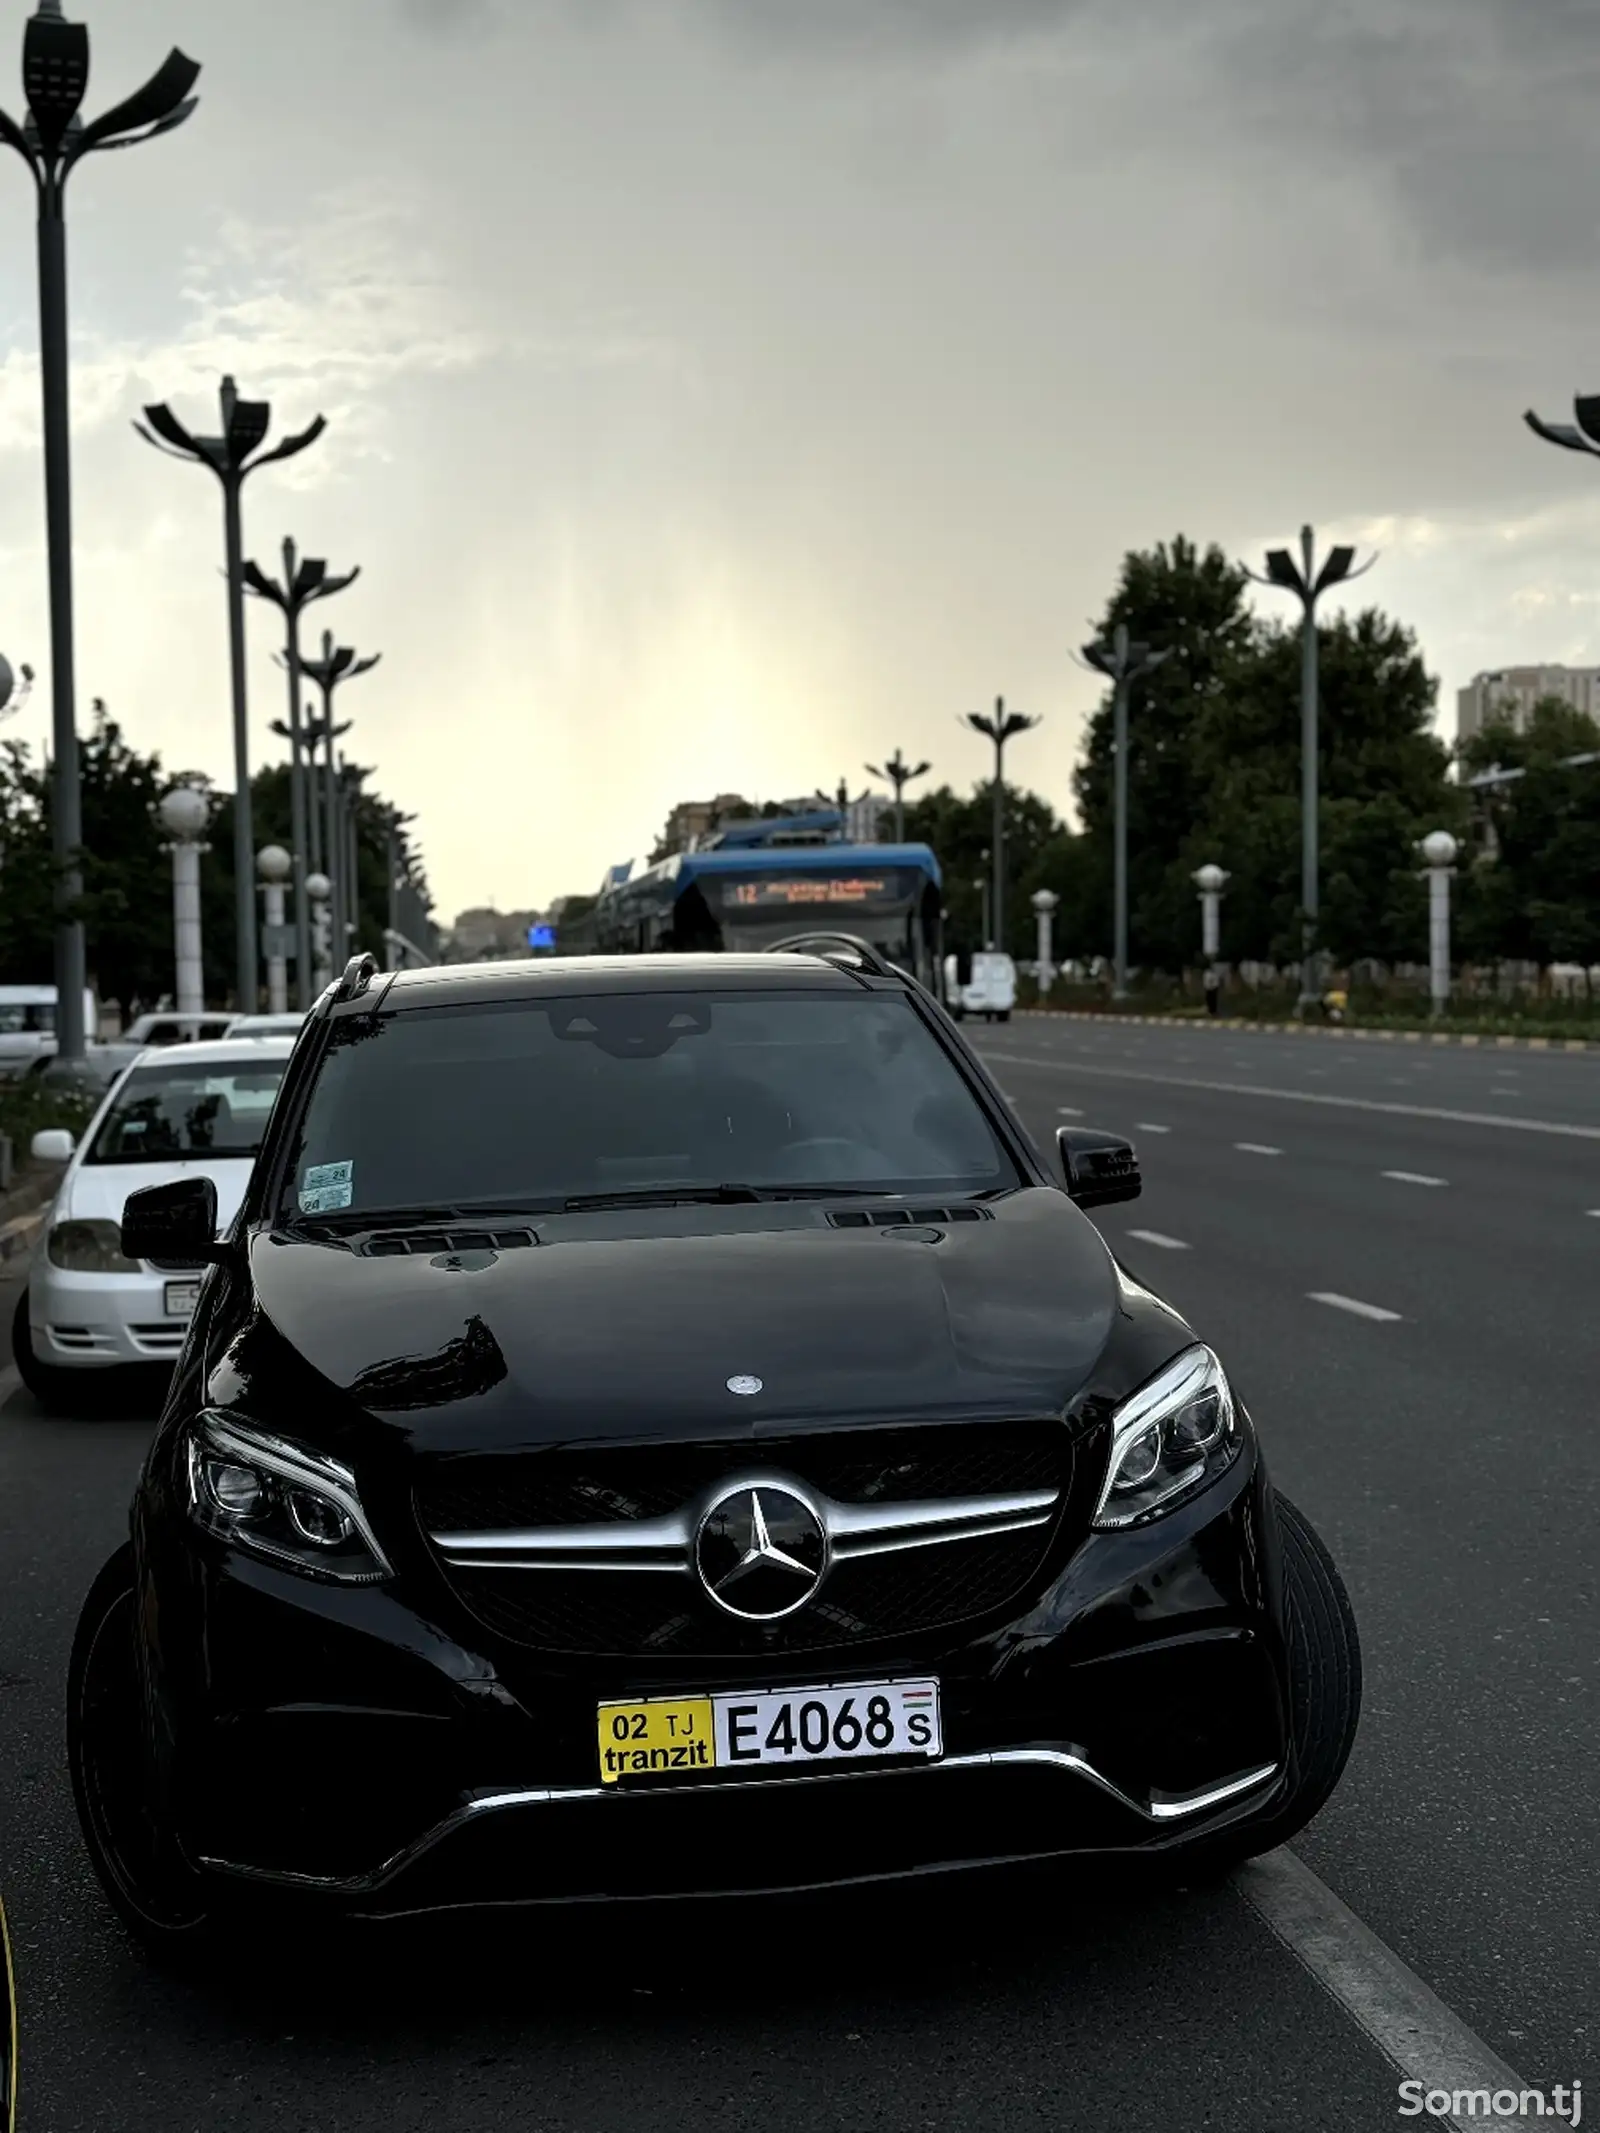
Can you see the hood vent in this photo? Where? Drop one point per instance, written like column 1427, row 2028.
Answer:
column 427, row 1243
column 898, row 1217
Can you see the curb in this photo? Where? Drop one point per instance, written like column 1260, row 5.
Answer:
column 1312, row 1029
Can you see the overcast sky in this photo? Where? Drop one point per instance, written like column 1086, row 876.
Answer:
column 724, row 392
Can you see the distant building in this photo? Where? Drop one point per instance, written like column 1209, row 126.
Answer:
column 1512, row 692
column 693, row 819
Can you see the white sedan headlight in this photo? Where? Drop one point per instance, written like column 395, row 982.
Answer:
column 88, row 1248
column 1175, row 1434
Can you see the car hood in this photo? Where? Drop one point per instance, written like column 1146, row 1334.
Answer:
column 99, row 1191
column 636, row 1336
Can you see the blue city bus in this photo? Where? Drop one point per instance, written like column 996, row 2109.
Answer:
column 754, row 883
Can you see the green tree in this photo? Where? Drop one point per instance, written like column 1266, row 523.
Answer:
column 1381, row 787
column 1193, row 607
column 959, row 832
column 1535, row 893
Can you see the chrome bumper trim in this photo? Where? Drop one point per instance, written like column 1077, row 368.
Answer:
column 1162, row 1808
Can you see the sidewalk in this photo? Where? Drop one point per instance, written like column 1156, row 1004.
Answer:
column 1320, row 1029
column 24, row 1211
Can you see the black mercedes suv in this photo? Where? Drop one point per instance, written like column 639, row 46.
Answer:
column 659, row 1425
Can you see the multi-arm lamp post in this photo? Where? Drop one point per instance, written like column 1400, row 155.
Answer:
column 305, row 578
column 898, row 773
column 1002, row 727
column 338, row 664
column 1308, row 583
column 229, row 456
column 1123, row 663
column 52, row 140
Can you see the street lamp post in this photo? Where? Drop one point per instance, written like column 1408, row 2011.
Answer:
column 983, row 885
column 244, row 428
column 1123, row 663
column 184, row 814
column 1002, row 727
column 304, row 579
column 319, row 889
column 1045, row 902
column 276, row 865
column 898, row 773
column 51, row 141
column 338, row 664
column 1210, row 881
column 1308, row 583
column 1439, row 848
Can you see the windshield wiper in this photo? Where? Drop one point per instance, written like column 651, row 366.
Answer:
column 663, row 1196
column 717, row 1195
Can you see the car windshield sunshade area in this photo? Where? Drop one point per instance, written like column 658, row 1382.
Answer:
column 163, row 1114
column 534, row 1104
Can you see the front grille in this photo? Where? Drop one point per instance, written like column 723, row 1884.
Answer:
column 478, row 1493
column 667, row 1615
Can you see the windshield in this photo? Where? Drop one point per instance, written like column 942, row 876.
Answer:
column 163, row 1113
column 528, row 1105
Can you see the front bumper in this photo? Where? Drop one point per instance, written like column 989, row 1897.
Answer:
column 96, row 1321
column 339, row 1744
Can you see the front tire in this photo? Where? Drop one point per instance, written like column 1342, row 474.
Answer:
column 1324, row 1684
column 151, row 1887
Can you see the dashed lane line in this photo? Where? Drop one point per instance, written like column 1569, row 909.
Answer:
column 1410, row 2025
column 1413, row 1177
column 1143, row 1125
column 1354, row 1305
column 1155, row 1237
column 1256, row 1148
column 1310, row 1096
column 1067, row 1111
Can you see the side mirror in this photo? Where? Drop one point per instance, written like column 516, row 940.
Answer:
column 53, row 1144
column 1100, row 1168
column 172, row 1225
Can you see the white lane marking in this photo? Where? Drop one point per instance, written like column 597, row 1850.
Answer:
column 1595, row 1211
column 1066, row 1111
column 1316, row 1096
column 1143, row 1125
column 1154, row 1236
column 1353, row 1304
column 1413, row 1177
column 1410, row 2025
column 1256, row 1148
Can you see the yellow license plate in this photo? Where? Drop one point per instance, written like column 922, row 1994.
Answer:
column 637, row 1739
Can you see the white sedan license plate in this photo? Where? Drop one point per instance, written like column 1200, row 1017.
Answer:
column 182, row 1296
column 749, row 1729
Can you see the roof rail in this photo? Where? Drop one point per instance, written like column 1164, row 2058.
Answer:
column 359, row 973
column 841, row 948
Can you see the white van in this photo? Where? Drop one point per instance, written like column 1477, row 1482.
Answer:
column 984, row 984
column 28, row 1025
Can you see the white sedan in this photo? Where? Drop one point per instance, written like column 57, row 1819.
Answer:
column 179, row 1111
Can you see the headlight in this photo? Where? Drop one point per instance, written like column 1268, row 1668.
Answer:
column 279, row 1500
column 89, row 1248
column 1169, row 1439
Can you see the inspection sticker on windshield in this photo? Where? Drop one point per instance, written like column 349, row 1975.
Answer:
column 327, row 1186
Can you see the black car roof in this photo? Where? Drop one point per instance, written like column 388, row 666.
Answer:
column 455, row 984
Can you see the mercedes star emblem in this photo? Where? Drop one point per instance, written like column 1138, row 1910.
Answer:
column 761, row 1551
column 744, row 1385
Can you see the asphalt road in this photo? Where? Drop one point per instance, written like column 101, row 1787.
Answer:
column 1449, row 1454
